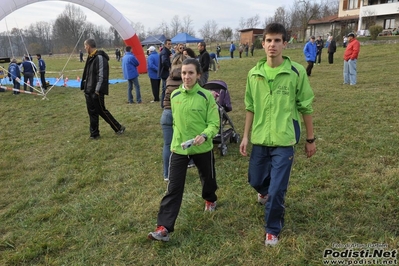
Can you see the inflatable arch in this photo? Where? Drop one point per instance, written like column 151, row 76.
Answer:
column 102, row 8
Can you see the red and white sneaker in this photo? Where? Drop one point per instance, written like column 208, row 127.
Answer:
column 262, row 199
column 210, row 206
column 160, row 234
column 271, row 240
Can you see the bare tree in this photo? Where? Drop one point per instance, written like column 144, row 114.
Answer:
column 226, row 33
column 205, row 31
column 164, row 29
column 301, row 13
column 214, row 31
column 242, row 24
column 282, row 16
column 187, row 26
column 175, row 25
column 68, row 28
column 267, row 21
column 117, row 39
column 253, row 22
column 329, row 8
column 140, row 30
column 43, row 33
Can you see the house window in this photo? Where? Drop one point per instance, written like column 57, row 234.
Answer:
column 389, row 23
column 352, row 4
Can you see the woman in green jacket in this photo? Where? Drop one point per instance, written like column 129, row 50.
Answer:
column 195, row 123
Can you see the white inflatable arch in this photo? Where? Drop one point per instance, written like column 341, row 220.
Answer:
column 102, row 8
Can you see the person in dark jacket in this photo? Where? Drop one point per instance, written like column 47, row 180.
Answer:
column 14, row 74
column 42, row 70
column 95, row 85
column 319, row 45
column 29, row 69
column 164, row 66
column 331, row 49
column 204, row 60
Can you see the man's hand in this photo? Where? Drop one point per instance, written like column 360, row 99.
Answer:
column 243, row 146
column 310, row 149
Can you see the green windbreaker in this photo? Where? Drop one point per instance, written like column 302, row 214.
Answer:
column 194, row 112
column 277, row 109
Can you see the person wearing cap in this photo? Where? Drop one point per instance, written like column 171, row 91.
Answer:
column 310, row 52
column 350, row 59
column 152, row 69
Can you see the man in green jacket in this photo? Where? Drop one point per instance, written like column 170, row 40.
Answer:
column 277, row 92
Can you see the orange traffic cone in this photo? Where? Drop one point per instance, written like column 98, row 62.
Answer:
column 65, row 81
column 37, row 83
column 78, row 79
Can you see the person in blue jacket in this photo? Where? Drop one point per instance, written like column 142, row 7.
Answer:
column 42, row 70
column 152, row 68
column 310, row 52
column 29, row 69
column 14, row 74
column 130, row 73
column 232, row 49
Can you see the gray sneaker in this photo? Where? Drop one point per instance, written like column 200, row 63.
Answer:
column 262, row 199
column 121, row 130
column 160, row 234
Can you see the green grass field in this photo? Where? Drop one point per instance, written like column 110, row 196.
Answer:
column 67, row 200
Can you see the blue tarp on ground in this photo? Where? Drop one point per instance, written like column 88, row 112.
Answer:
column 73, row 83
column 185, row 38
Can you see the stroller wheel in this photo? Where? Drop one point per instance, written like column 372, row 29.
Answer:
column 235, row 138
column 223, row 149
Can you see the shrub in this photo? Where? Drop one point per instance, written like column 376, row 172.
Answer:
column 374, row 31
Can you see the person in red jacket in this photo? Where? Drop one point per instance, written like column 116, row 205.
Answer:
column 350, row 59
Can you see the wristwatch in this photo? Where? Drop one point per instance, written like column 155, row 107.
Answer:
column 311, row 140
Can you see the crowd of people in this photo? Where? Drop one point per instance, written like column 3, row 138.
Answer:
column 313, row 51
column 28, row 69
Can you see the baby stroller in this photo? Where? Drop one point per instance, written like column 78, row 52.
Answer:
column 226, row 129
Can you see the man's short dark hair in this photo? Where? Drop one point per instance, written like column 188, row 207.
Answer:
column 91, row 43
column 39, row 55
column 168, row 40
column 202, row 44
column 275, row 28
column 128, row 48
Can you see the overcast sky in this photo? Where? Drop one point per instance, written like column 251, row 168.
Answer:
column 151, row 13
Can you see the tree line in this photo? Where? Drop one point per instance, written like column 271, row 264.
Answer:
column 71, row 28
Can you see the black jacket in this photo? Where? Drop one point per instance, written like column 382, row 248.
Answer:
column 164, row 63
column 332, row 47
column 204, row 60
column 96, row 73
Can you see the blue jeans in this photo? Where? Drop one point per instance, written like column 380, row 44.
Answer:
column 268, row 173
column 350, row 71
column 134, row 81
column 28, row 77
column 167, row 130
